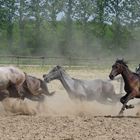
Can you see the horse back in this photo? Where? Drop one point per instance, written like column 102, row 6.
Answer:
column 13, row 74
column 32, row 83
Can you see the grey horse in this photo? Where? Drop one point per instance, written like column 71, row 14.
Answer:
column 84, row 90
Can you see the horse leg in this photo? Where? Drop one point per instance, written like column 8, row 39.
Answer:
column 104, row 100
column 41, row 105
column 125, row 100
column 39, row 98
column 44, row 88
column 15, row 90
column 82, row 98
column 4, row 94
column 19, row 89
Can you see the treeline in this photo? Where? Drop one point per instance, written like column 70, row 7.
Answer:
column 68, row 27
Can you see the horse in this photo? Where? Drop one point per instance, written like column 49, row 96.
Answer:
column 32, row 88
column 35, row 88
column 131, row 83
column 11, row 76
column 83, row 90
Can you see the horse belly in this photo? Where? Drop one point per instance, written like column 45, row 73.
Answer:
column 137, row 96
column 93, row 90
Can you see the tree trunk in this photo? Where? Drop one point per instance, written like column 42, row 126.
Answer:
column 21, row 24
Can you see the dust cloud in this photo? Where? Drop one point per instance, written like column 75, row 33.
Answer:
column 61, row 105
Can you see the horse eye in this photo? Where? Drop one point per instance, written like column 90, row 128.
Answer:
column 54, row 70
column 115, row 67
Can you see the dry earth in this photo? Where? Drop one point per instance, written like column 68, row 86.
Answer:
column 58, row 118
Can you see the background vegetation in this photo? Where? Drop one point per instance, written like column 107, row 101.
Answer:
column 70, row 28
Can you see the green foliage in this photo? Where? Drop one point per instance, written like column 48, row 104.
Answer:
column 85, row 28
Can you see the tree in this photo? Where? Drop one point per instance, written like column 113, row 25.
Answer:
column 7, row 13
column 22, row 14
column 51, row 9
column 65, row 43
column 132, row 17
column 3, row 12
column 116, row 10
column 84, row 12
column 36, row 17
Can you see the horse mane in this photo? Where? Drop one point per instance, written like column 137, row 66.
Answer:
column 60, row 68
column 121, row 61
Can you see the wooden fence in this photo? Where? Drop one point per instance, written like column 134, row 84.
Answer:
column 69, row 61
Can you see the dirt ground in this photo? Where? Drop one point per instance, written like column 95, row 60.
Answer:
column 59, row 118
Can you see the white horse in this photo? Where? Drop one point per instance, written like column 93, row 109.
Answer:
column 10, row 76
column 89, row 90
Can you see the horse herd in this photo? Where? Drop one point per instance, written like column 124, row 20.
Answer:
column 18, row 84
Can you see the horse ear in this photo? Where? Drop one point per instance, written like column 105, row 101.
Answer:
column 117, row 59
column 58, row 66
column 25, row 73
column 120, row 59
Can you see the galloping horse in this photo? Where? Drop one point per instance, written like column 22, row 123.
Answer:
column 88, row 90
column 131, row 80
column 11, row 77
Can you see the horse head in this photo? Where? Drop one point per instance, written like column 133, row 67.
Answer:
column 55, row 73
column 117, row 68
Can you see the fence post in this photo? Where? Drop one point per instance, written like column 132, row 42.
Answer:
column 17, row 57
column 70, row 61
column 43, row 60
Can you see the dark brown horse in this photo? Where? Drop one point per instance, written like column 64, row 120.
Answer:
column 131, row 80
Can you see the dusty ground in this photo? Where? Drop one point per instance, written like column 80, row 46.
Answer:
column 58, row 118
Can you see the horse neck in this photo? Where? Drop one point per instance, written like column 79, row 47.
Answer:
column 66, row 81
column 126, row 74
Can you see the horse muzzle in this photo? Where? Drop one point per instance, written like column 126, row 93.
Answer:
column 44, row 75
column 111, row 76
column 46, row 79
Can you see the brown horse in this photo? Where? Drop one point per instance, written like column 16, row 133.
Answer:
column 33, row 88
column 131, row 80
column 11, row 76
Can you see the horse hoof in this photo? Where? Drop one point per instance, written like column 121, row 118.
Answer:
column 120, row 113
column 129, row 106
